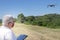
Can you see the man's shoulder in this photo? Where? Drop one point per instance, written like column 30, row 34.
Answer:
column 2, row 28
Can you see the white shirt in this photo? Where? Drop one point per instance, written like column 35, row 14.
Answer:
column 6, row 34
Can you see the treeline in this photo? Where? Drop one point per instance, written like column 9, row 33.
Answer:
column 48, row 20
column 0, row 20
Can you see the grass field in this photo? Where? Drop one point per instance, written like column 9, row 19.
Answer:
column 36, row 32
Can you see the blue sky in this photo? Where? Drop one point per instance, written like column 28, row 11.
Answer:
column 28, row 7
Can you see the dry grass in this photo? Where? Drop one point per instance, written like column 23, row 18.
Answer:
column 36, row 32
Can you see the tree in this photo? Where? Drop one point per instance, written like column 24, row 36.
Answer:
column 21, row 17
column 29, row 19
column 0, row 20
column 48, row 20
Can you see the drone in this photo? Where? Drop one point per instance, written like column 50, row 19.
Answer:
column 51, row 5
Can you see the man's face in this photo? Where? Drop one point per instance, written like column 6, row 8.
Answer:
column 11, row 24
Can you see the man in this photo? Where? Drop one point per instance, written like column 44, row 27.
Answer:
column 5, row 31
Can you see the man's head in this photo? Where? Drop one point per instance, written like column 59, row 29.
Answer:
column 8, row 21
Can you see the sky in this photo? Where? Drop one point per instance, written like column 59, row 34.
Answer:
column 28, row 7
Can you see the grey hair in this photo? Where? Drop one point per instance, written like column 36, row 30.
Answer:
column 6, row 19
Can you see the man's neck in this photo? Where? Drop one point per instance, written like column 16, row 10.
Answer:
column 7, row 26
